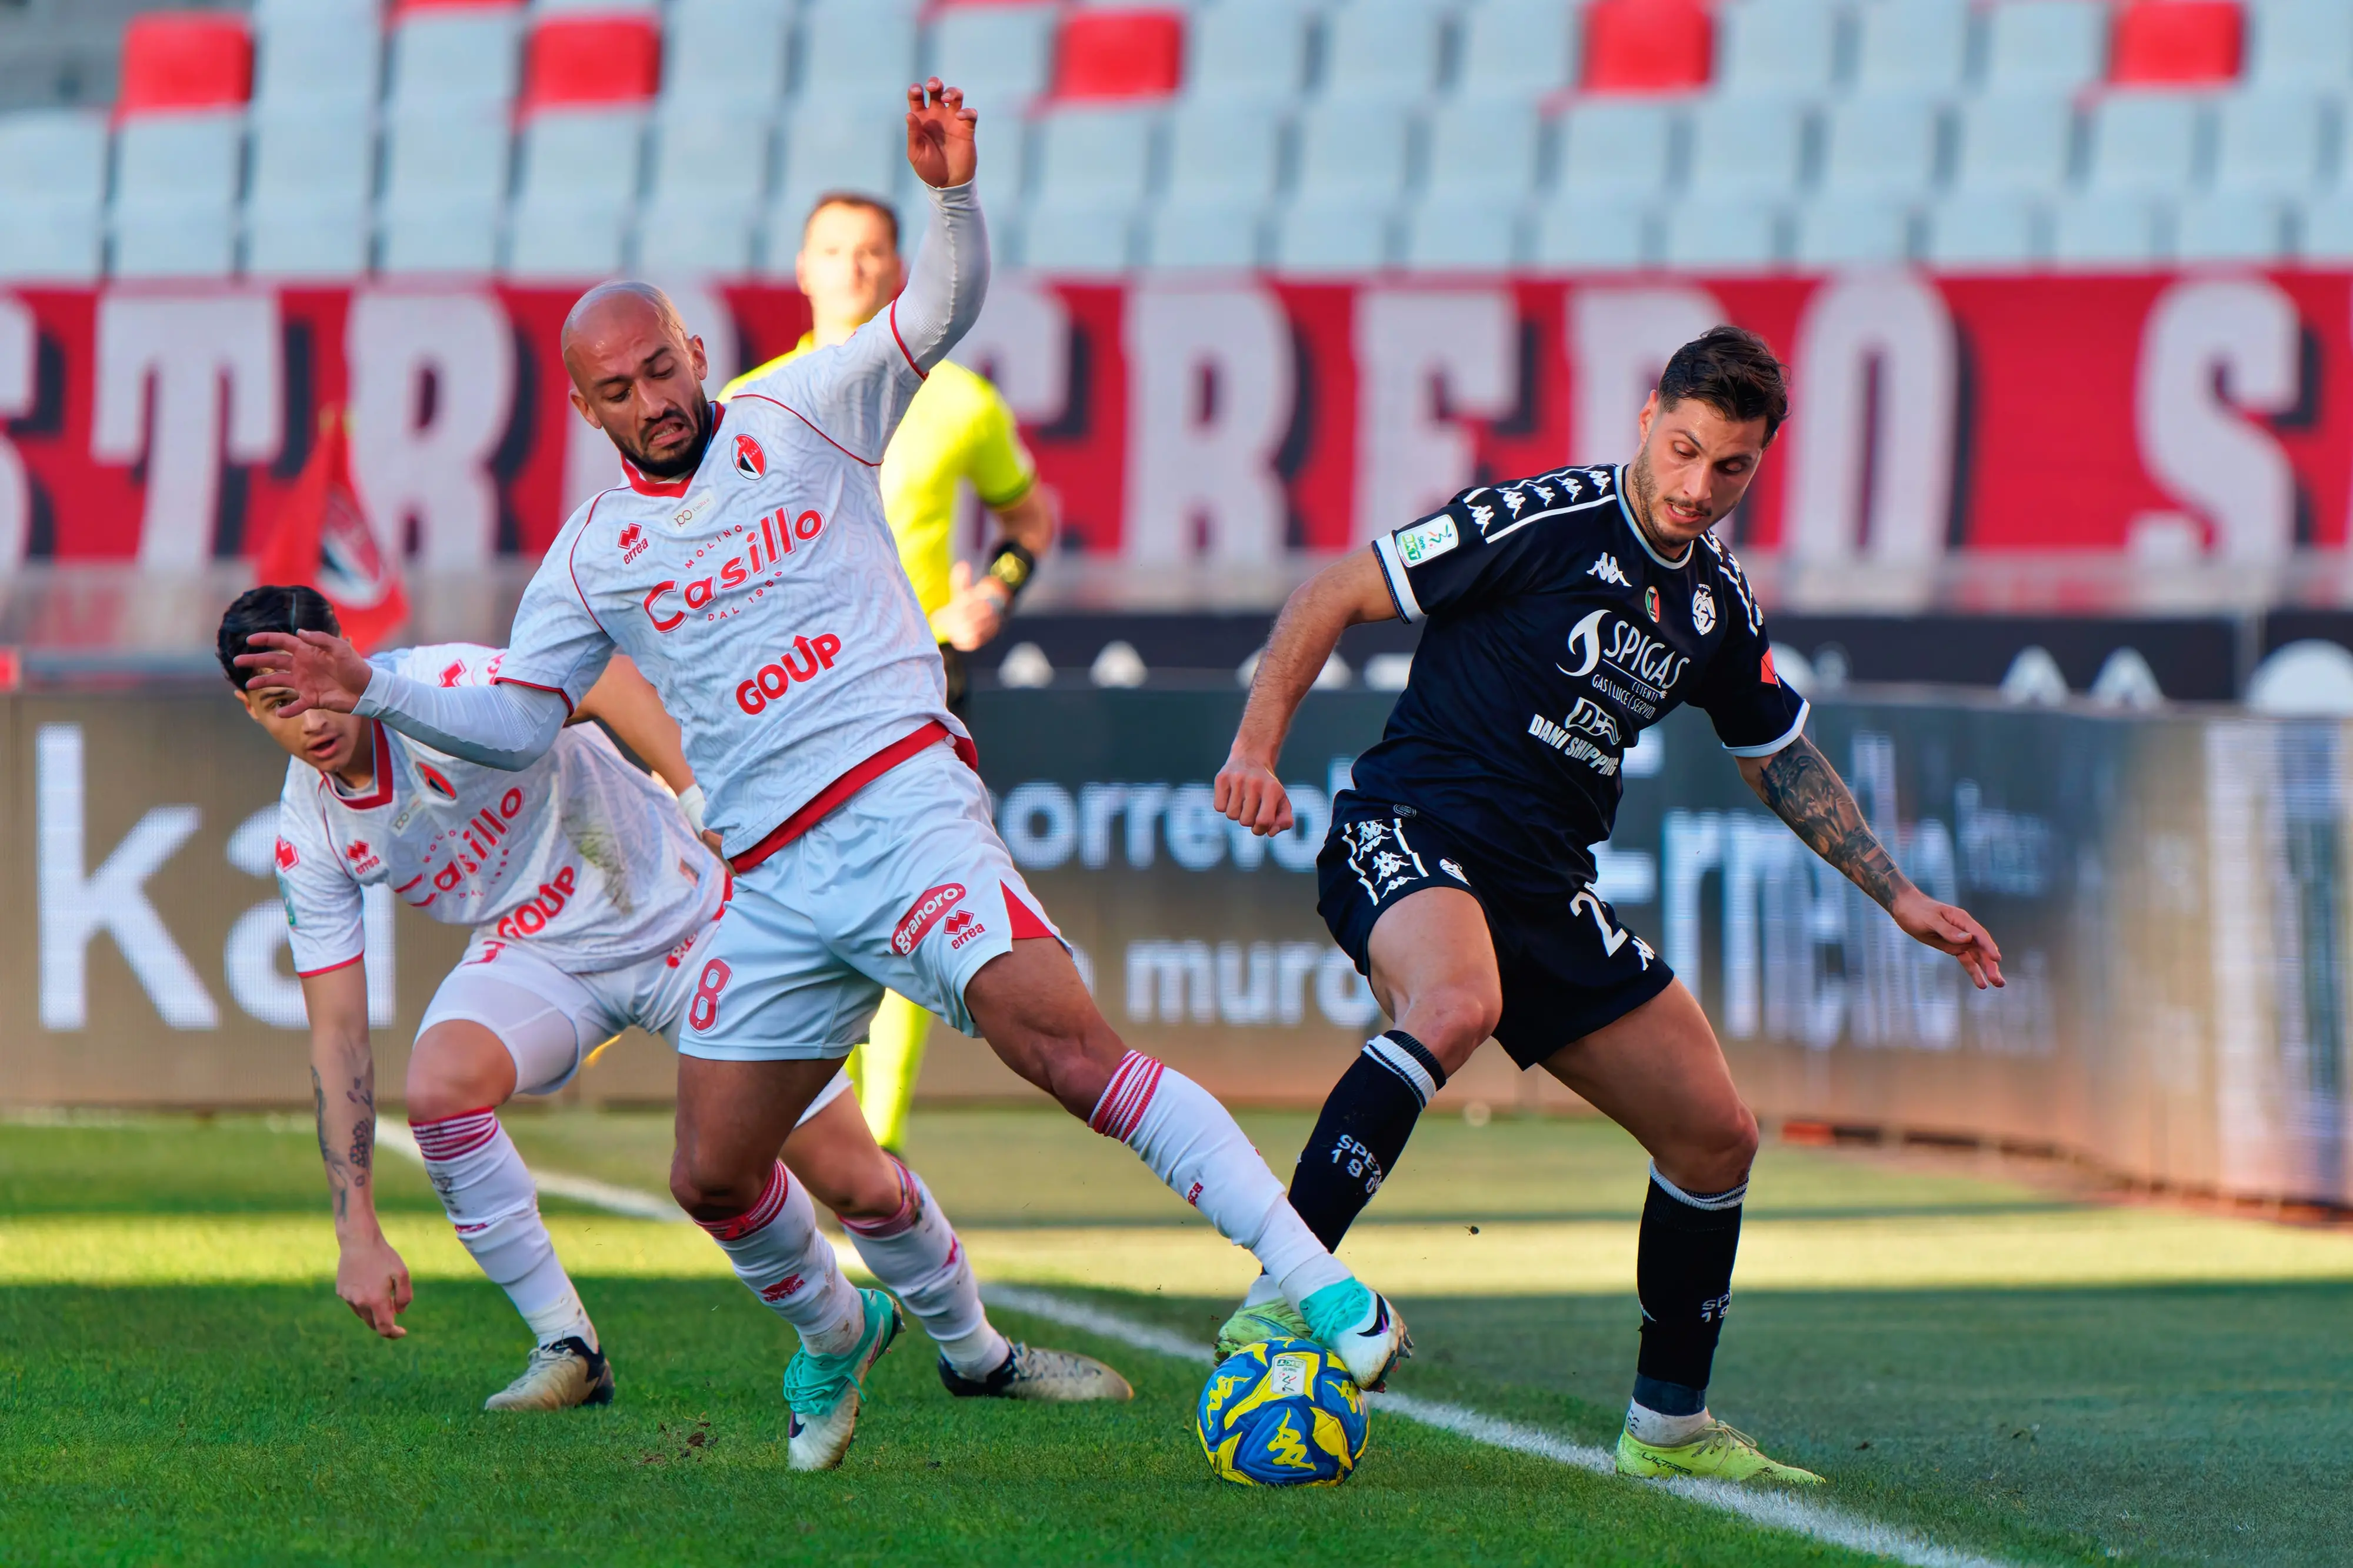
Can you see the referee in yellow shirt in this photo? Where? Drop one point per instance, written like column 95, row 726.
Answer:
column 957, row 430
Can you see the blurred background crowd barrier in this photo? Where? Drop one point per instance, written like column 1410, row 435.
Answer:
column 2169, row 891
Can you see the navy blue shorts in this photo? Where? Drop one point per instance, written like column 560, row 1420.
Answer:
column 1568, row 966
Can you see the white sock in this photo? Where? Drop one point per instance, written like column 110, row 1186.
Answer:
column 494, row 1204
column 916, row 1254
column 782, row 1260
column 1262, row 1290
column 1192, row 1143
column 1662, row 1431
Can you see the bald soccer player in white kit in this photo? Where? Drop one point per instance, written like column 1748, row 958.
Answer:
column 591, row 901
column 746, row 567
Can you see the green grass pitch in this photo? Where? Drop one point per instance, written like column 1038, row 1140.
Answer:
column 2005, row 1370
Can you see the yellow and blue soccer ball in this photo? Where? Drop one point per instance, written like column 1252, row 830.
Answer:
column 1282, row 1413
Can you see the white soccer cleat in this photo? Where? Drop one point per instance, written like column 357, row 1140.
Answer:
column 558, row 1376
column 1357, row 1324
column 1044, row 1376
column 826, row 1391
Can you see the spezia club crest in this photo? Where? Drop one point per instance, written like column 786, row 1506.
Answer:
column 1702, row 611
column 1651, row 603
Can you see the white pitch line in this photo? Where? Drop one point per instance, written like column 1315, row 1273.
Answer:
column 1775, row 1510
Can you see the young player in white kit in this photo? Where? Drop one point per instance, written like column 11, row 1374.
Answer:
column 747, row 569
column 591, row 901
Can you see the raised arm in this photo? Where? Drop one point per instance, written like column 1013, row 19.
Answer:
column 500, row 726
column 1804, row 791
column 1348, row 592
column 370, row 1276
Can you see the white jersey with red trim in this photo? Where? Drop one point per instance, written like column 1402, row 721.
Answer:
column 580, row 855
column 763, row 594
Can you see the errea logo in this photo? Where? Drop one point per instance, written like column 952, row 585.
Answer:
column 633, row 543
column 361, row 858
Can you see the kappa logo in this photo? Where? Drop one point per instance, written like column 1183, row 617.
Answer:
column 927, row 912
column 1702, row 610
column 1513, row 501
column 1481, row 516
column 750, row 461
column 633, row 543
column 1451, row 869
column 1609, row 572
column 287, row 858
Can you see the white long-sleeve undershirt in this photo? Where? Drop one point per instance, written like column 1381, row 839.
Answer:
column 499, row 726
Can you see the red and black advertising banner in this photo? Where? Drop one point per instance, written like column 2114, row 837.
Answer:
column 1226, row 420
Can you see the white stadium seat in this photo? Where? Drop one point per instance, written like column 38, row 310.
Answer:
column 1449, row 232
column 1722, row 236
column 444, row 191
column 2146, row 142
column 707, row 176
column 2018, row 143
column 53, row 186
column 1250, row 50
column 576, row 189
column 2299, row 43
column 1093, row 167
column 1788, row 47
column 850, row 49
column 1332, row 235
column 2101, row 230
column 1607, row 233
column 1223, row 150
column 1881, row 143
column 320, row 58
column 309, row 191
column 2230, row 225
column 1206, row 232
column 462, row 58
column 828, row 146
column 1390, row 47
column 2045, row 44
column 730, row 53
column 1919, row 46
column 1482, row 146
column 2271, row 139
column 999, row 53
column 176, row 176
column 1984, row 231
column 1747, row 146
column 1077, row 239
column 1834, row 231
column 1616, row 149
column 2326, row 229
column 1352, row 149
column 1517, row 48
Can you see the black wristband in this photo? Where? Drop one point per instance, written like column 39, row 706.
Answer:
column 1011, row 566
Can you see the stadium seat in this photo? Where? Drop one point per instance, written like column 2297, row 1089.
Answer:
column 176, row 62
column 1482, row 146
column 1391, row 47
column 1178, row 233
column 574, row 61
column 2326, row 229
column 1334, row 234
column 2270, row 138
column 1358, row 149
column 853, row 49
column 1834, row 231
column 1247, row 51
column 1612, row 232
column 2050, row 45
column 2107, row 230
column 728, row 53
column 829, row 145
column 2176, row 43
column 1747, row 146
column 1094, row 166
column 1617, row 149
column 175, row 194
column 2300, row 43
column 444, row 190
column 1518, row 47
column 1447, row 232
column 1777, row 46
column 460, row 59
column 309, row 190
column 53, row 186
column 325, row 57
column 2146, row 142
column 2230, row 225
column 1912, row 45
column 2018, row 143
column 1647, row 45
column 709, row 171
column 1000, row 53
column 1119, row 54
column 1722, row 236
column 1983, row 231
column 1223, row 152
column 577, row 185
column 1076, row 241
column 1881, row 143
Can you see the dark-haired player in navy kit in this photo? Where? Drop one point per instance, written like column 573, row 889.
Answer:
column 1564, row 614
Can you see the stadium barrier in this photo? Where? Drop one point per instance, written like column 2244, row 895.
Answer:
column 2169, row 892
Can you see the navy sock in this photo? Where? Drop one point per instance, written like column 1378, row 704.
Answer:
column 1682, row 1272
column 1366, row 1119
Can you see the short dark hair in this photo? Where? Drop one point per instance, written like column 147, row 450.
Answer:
column 1733, row 371
column 269, row 608
column 863, row 203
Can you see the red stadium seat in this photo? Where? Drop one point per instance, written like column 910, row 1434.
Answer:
column 178, row 60
column 583, row 61
column 2177, row 43
column 1104, row 55
column 1648, row 45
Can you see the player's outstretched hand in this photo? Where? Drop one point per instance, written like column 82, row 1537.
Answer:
column 373, row 1283
column 323, row 671
column 975, row 611
column 1249, row 794
column 1948, row 928
column 939, row 135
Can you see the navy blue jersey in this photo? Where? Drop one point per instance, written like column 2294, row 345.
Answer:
column 1556, row 636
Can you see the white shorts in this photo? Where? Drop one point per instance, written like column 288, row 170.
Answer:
column 550, row 1019
column 905, row 886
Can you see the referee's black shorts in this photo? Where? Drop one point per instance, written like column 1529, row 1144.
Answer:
column 1568, row 966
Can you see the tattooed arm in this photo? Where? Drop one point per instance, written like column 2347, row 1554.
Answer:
column 370, row 1276
column 1804, row 791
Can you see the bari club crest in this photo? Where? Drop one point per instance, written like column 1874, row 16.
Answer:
column 435, row 781
column 750, row 461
